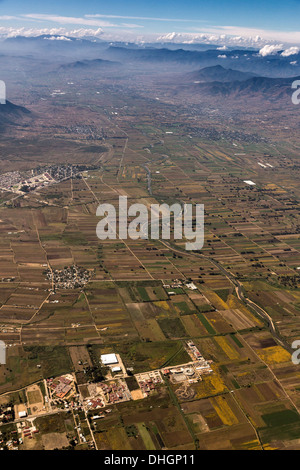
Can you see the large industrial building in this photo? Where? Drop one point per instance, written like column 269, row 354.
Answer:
column 109, row 359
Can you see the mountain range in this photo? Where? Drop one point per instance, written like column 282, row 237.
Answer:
column 11, row 114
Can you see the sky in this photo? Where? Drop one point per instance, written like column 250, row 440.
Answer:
column 223, row 21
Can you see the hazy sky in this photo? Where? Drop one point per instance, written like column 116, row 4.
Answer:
column 271, row 19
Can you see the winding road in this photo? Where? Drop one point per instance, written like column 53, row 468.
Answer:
column 239, row 291
column 237, row 285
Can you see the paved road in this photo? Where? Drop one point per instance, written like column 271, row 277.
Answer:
column 149, row 179
column 238, row 286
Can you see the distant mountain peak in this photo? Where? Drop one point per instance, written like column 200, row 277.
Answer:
column 12, row 114
column 217, row 73
column 88, row 64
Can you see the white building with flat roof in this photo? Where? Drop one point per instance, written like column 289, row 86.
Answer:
column 109, row 359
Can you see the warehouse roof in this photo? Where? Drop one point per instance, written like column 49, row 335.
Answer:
column 108, row 359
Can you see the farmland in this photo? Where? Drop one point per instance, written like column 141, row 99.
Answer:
column 135, row 297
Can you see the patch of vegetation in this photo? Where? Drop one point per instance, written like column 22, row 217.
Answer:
column 172, row 328
column 205, row 308
column 206, row 324
column 236, row 340
column 223, row 294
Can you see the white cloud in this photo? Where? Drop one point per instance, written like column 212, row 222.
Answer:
column 58, row 38
column 211, row 34
column 86, row 21
column 266, row 35
column 270, row 49
column 34, row 32
column 188, row 38
column 223, row 40
column 142, row 18
column 6, row 17
column 83, row 32
column 291, row 51
column 69, row 20
column 131, row 25
column 92, row 25
column 235, row 35
column 222, row 56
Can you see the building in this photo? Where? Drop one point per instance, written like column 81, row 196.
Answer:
column 109, row 359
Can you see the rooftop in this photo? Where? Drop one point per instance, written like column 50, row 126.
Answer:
column 108, row 359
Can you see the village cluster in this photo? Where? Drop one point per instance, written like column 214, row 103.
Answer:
column 177, row 284
column 71, row 277
column 94, row 400
column 24, row 182
column 116, row 390
column 20, row 184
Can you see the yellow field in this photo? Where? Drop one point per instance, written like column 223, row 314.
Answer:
column 252, row 445
column 274, row 355
column 227, row 348
column 162, row 304
column 211, row 385
column 275, row 188
column 216, row 300
column 234, row 303
column 224, row 411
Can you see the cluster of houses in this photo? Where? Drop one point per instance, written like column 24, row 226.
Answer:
column 62, row 386
column 72, row 277
column 114, row 392
column 148, row 381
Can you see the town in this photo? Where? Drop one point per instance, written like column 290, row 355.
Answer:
column 71, row 277
column 40, row 177
column 90, row 401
